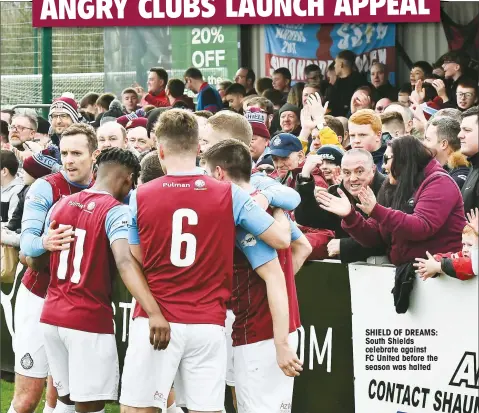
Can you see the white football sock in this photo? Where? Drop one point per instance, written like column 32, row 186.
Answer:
column 172, row 408
column 64, row 408
column 11, row 409
column 48, row 409
column 101, row 411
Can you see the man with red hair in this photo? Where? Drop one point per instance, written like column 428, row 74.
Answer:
column 365, row 130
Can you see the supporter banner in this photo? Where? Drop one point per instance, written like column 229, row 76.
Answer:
column 296, row 46
column 214, row 50
column 463, row 37
column 67, row 13
column 423, row 361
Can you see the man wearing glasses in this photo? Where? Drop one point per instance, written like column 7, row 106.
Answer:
column 466, row 94
column 63, row 113
column 22, row 130
column 21, row 134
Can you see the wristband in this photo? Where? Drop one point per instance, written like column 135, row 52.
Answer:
column 303, row 180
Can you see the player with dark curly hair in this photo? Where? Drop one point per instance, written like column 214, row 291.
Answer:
column 77, row 314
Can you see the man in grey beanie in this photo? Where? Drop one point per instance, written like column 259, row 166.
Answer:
column 289, row 119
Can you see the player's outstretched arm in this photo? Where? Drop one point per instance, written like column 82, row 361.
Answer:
column 277, row 194
column 251, row 217
column 273, row 276
column 135, row 282
column 300, row 249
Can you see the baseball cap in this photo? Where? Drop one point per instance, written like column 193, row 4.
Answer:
column 284, row 144
column 331, row 153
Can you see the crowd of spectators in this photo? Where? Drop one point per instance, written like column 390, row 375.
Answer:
column 381, row 170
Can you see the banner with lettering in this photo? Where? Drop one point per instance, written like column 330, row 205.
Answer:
column 423, row 361
column 297, row 45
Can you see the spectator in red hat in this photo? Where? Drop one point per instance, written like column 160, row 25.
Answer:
column 137, row 135
column 259, row 146
column 63, row 113
column 39, row 165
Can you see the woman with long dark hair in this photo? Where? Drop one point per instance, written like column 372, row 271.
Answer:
column 295, row 96
column 420, row 208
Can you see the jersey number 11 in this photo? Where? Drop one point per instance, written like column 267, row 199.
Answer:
column 80, row 235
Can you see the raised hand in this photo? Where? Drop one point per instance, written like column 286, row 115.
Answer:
column 312, row 161
column 367, row 199
column 427, row 268
column 318, row 111
column 57, row 239
column 340, row 206
column 418, row 94
column 307, row 121
column 473, row 220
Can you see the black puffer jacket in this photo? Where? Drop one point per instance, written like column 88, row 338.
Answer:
column 340, row 94
column 310, row 214
column 470, row 189
column 386, row 91
column 15, row 223
column 458, row 167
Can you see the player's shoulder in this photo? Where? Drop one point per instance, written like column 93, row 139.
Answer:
column 150, row 186
column 99, row 198
column 92, row 202
column 56, row 177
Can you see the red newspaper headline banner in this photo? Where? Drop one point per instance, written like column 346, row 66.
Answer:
column 88, row 13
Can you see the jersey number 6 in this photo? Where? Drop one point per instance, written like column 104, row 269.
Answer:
column 178, row 237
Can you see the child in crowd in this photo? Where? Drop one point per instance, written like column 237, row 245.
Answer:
column 462, row 265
